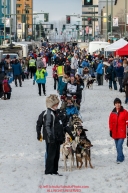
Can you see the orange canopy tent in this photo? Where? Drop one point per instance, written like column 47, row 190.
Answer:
column 122, row 51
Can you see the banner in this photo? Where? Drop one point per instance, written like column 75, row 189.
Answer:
column 90, row 30
column 115, row 22
column 6, row 21
column 87, row 29
column 19, row 26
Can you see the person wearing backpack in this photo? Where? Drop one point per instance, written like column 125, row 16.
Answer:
column 111, row 74
column 6, row 89
column 17, row 72
column 54, row 123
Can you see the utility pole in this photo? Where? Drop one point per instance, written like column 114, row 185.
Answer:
column 111, row 16
column 107, row 18
column 4, row 20
column 34, row 28
column 84, row 29
column 10, row 24
column 78, row 31
column 94, row 22
column 125, row 16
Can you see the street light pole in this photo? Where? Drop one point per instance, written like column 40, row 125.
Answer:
column 111, row 16
column 10, row 24
column 94, row 22
column 107, row 18
column 125, row 16
column 4, row 20
column 84, row 29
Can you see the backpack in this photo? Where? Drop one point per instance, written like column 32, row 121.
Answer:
column 6, row 87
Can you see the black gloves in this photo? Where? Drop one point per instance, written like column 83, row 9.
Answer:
column 39, row 137
column 110, row 133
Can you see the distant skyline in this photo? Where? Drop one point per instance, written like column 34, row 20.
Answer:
column 58, row 11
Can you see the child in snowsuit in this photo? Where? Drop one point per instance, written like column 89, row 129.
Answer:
column 6, row 88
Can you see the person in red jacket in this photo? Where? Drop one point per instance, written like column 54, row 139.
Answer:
column 118, row 122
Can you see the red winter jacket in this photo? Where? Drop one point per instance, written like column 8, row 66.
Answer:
column 118, row 122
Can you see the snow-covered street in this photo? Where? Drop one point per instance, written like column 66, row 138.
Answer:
column 22, row 155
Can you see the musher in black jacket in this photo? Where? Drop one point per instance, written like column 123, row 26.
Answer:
column 54, row 123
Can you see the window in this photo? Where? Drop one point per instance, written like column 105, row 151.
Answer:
column 27, row 11
column 18, row 18
column 18, row 11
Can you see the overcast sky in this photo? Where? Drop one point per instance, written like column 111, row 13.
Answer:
column 58, row 9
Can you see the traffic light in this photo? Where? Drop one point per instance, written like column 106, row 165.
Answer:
column 77, row 27
column 23, row 18
column 63, row 27
column 88, row 2
column 51, row 26
column 68, row 21
column 46, row 17
column 109, row 23
column 89, row 21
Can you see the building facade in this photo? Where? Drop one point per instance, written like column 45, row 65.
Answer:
column 116, row 12
column 90, row 16
column 4, row 10
column 24, row 20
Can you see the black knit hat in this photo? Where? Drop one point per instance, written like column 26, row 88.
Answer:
column 117, row 100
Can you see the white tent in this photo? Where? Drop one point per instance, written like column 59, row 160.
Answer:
column 116, row 45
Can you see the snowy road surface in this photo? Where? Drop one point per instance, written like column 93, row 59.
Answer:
column 22, row 156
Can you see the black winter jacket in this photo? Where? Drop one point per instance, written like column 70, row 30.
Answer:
column 54, row 125
column 67, row 69
column 78, row 90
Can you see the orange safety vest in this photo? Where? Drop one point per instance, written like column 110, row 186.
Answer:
column 60, row 71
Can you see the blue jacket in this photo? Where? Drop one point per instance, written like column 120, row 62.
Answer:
column 120, row 71
column 85, row 64
column 17, row 69
column 61, row 86
column 71, row 110
column 99, row 69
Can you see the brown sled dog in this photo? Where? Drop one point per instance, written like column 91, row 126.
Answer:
column 83, row 153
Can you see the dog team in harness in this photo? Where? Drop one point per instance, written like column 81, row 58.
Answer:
column 64, row 127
